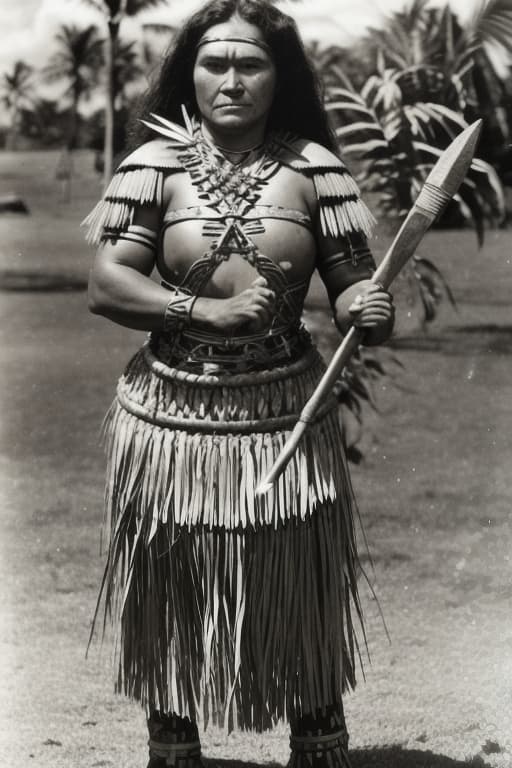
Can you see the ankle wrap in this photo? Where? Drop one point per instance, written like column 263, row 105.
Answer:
column 320, row 743
column 173, row 752
column 174, row 741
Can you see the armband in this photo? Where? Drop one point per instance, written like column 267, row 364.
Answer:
column 343, row 268
column 178, row 310
column 133, row 234
column 354, row 254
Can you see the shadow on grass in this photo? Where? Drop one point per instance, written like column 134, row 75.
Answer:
column 397, row 757
column 488, row 338
column 375, row 757
column 16, row 280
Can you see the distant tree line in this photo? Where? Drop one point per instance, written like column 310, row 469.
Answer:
column 396, row 97
column 87, row 61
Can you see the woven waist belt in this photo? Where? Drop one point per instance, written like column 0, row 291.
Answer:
column 165, row 396
column 201, row 352
column 193, row 447
column 248, row 426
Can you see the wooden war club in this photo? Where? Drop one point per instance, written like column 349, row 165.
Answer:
column 440, row 186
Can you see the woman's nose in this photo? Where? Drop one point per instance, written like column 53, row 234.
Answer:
column 232, row 81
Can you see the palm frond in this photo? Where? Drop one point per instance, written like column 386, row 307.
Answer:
column 433, row 279
column 77, row 59
column 348, row 106
column 367, row 149
column 344, row 93
column 492, row 22
column 437, row 121
column 360, row 128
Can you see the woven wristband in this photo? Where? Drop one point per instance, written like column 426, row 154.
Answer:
column 178, row 311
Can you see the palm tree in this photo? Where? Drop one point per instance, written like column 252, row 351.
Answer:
column 77, row 62
column 114, row 11
column 433, row 40
column 396, row 142
column 417, row 98
column 125, row 70
column 151, row 54
column 16, row 94
column 491, row 91
column 44, row 122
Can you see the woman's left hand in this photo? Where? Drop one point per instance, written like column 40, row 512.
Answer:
column 372, row 308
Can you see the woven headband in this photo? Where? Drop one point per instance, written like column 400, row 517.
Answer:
column 251, row 40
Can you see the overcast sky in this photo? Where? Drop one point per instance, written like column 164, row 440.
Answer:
column 28, row 26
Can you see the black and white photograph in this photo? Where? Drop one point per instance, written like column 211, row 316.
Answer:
column 256, row 377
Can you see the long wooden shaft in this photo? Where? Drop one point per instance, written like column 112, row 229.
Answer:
column 439, row 187
column 402, row 248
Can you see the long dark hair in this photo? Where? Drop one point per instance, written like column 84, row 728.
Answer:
column 298, row 105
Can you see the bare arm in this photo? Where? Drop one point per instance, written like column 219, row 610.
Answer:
column 121, row 289
column 346, row 266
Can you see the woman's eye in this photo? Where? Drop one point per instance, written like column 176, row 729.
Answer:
column 218, row 67
column 215, row 66
column 250, row 66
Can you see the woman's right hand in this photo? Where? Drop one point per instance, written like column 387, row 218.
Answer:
column 252, row 307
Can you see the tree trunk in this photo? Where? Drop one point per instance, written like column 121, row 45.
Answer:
column 108, row 149
column 65, row 167
column 73, row 121
column 12, row 134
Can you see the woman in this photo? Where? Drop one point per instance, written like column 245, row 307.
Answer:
column 227, row 607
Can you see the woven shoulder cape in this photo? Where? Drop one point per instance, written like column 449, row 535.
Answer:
column 138, row 181
column 340, row 207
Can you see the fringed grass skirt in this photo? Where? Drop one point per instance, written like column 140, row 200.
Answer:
column 227, row 608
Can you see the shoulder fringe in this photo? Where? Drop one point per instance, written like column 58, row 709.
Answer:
column 138, row 181
column 126, row 191
column 341, row 209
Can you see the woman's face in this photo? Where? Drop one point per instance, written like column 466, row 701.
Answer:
column 234, row 81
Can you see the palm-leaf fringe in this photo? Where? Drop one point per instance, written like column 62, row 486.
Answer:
column 341, row 209
column 139, row 179
column 168, row 459
column 226, row 609
column 238, row 628
column 127, row 190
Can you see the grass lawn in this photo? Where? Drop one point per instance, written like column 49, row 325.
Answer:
column 434, row 492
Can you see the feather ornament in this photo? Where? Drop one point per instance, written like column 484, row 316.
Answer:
column 138, row 181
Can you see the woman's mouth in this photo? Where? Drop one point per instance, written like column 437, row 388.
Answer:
column 231, row 106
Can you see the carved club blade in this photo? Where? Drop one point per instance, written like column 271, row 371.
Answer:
column 449, row 171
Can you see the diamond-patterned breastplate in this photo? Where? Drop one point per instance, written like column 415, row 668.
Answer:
column 232, row 214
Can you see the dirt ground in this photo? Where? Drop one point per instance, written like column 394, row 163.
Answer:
column 434, row 490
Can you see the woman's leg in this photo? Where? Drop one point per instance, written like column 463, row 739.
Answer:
column 173, row 741
column 319, row 740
